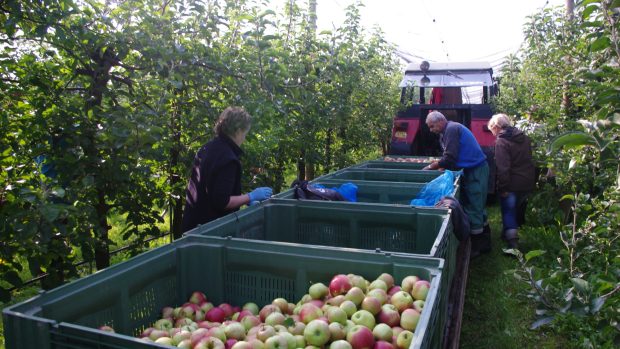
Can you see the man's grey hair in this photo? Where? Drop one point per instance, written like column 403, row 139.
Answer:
column 435, row 116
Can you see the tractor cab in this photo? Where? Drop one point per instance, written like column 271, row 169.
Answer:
column 460, row 91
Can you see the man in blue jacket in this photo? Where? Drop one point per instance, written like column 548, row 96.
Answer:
column 461, row 151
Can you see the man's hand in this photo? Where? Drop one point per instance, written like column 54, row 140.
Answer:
column 432, row 166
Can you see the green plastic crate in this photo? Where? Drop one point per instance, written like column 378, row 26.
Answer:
column 392, row 193
column 129, row 296
column 381, row 163
column 383, row 174
column 405, row 230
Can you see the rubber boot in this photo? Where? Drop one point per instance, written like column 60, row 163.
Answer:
column 485, row 242
column 511, row 236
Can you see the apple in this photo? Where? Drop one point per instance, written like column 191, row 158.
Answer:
column 250, row 321
column 268, row 309
column 188, row 310
column 216, row 314
column 336, row 331
column 339, row 284
column 378, row 284
column 242, row 345
column 348, row 307
column 280, row 328
column 197, row 335
column 389, row 315
column 282, row 304
column 185, row 344
column 340, row 344
column 275, row 318
column 227, row 308
column 383, row 345
column 364, row 318
column 355, row 295
column 106, row 328
column 305, row 299
column 291, row 307
column 297, row 328
column 264, row 332
column 420, row 289
column 396, row 330
column 229, row 343
column 197, row 297
column 206, row 306
column 393, row 290
column 335, row 314
column 358, row 281
column 378, row 293
column 147, row 332
column 418, row 305
column 403, row 341
column 387, row 278
column 401, row 300
column 164, row 341
column 309, row 312
column 300, row 341
column 360, row 337
column 204, row 324
column 290, row 339
column 210, row 343
column 371, row 304
column 317, row 333
column 407, row 283
column 181, row 336
column 155, row 333
column 241, row 315
column 382, row 332
column 252, row 307
column 177, row 312
column 256, row 343
column 234, row 330
column 217, row 332
column 276, row 342
column 167, row 312
column 318, row 291
column 319, row 303
column 409, row 319
column 336, row 301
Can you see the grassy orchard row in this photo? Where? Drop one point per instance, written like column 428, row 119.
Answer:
column 350, row 313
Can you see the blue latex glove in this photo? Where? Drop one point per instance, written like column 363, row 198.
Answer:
column 260, row 194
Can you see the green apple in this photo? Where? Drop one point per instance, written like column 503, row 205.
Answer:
column 364, row 318
column 317, row 333
column 355, row 295
column 378, row 284
column 403, row 341
column 318, row 291
column 335, row 314
column 382, row 332
column 349, row 307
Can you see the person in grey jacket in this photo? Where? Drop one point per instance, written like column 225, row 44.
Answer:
column 515, row 174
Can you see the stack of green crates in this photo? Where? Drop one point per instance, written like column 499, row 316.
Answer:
column 391, row 193
column 130, row 296
column 383, row 174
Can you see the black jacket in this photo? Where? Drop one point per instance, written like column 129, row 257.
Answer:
column 215, row 177
column 513, row 159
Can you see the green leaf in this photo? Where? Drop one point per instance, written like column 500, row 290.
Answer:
column 289, row 322
column 566, row 197
column 533, row 254
column 601, row 43
column 588, row 11
column 597, row 304
column 581, row 285
column 541, row 322
column 571, row 140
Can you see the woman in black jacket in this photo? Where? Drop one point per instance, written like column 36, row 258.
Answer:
column 214, row 187
column 515, row 174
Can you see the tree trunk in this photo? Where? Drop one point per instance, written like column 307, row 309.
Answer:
column 176, row 205
column 328, row 150
column 102, row 252
column 301, row 165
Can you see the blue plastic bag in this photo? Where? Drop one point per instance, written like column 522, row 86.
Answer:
column 347, row 190
column 436, row 189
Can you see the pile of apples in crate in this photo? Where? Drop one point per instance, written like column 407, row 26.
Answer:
column 415, row 160
column 350, row 313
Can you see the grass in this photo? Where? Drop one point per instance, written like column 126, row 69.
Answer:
column 496, row 313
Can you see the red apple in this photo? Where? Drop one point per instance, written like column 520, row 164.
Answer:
column 227, row 308
column 389, row 315
column 407, row 283
column 355, row 295
column 309, row 312
column 383, row 345
column 282, row 304
column 388, row 279
column 371, row 304
column 197, row 297
column 216, row 314
column 339, row 284
column 360, row 337
column 230, row 343
column 268, row 309
column 409, row 319
column 420, row 289
column 393, row 290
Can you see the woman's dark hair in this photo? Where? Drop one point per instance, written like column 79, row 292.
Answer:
column 233, row 120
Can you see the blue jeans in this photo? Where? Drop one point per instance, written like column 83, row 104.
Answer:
column 513, row 209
